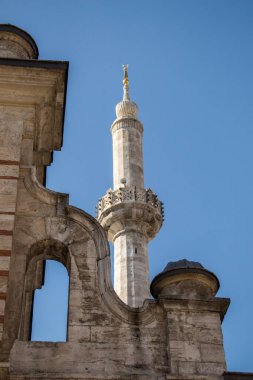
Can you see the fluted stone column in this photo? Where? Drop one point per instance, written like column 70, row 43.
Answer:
column 130, row 214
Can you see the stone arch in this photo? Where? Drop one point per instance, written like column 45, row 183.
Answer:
column 47, row 249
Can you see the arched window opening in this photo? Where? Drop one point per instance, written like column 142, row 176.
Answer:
column 50, row 304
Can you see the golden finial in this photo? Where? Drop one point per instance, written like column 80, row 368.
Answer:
column 125, row 79
column 126, row 108
column 125, row 83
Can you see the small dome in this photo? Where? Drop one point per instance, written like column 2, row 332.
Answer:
column 185, row 279
column 184, row 263
column 126, row 108
column 16, row 43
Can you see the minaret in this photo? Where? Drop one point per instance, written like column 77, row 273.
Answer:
column 130, row 214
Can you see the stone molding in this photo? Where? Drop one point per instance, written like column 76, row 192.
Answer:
column 216, row 305
column 126, row 123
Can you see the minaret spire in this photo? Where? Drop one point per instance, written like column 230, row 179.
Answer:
column 126, row 95
column 130, row 214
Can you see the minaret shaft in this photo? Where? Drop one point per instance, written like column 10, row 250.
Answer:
column 131, row 272
column 127, row 154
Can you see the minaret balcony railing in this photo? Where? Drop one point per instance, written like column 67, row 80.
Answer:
column 129, row 195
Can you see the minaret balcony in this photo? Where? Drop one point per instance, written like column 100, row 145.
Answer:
column 121, row 208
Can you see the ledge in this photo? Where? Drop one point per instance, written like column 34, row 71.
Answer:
column 238, row 375
column 60, row 65
column 216, row 305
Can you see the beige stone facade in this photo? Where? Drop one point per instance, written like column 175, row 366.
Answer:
column 177, row 335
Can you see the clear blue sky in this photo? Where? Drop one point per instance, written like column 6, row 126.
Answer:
column 190, row 67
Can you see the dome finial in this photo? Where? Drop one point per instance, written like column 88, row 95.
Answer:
column 126, row 95
column 126, row 108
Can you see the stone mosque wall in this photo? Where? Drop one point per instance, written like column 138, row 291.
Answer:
column 176, row 335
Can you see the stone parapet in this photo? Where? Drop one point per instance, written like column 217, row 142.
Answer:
column 130, row 208
column 129, row 194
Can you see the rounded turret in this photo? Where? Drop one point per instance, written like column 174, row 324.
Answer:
column 16, row 43
column 185, row 279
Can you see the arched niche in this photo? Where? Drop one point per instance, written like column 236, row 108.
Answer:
column 41, row 251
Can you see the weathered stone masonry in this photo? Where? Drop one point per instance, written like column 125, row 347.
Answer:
column 176, row 335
